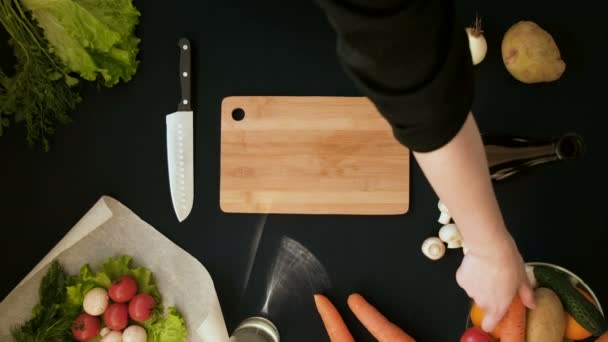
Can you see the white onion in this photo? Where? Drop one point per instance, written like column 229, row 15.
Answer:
column 477, row 42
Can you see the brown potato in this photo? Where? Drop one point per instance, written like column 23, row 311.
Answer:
column 530, row 54
column 546, row 323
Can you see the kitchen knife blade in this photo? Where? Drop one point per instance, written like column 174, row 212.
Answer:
column 180, row 146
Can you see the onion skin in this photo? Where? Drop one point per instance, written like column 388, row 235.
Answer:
column 477, row 45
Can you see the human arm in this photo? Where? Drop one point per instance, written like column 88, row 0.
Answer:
column 411, row 58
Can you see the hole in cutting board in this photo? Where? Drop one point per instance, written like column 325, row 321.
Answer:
column 238, row 114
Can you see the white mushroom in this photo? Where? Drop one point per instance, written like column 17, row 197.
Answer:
column 444, row 218
column 451, row 235
column 134, row 333
column 113, row 336
column 433, row 248
column 96, row 301
column 442, row 207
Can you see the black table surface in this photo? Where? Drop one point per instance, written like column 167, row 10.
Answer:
column 116, row 147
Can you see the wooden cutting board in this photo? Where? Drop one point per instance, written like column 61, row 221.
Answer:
column 310, row 155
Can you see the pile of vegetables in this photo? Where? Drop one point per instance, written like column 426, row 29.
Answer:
column 529, row 53
column 125, row 297
column 57, row 44
column 563, row 312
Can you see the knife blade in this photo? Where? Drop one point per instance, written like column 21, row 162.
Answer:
column 180, row 145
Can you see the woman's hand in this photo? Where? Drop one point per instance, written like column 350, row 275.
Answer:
column 492, row 278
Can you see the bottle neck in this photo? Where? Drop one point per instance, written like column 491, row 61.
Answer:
column 508, row 155
column 500, row 154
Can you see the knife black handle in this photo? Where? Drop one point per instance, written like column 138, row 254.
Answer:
column 185, row 75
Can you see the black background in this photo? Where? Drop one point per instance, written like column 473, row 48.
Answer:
column 116, row 147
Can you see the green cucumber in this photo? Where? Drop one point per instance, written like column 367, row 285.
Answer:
column 581, row 309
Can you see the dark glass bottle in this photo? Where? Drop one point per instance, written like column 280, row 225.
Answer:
column 509, row 155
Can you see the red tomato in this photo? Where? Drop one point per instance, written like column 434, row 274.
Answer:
column 475, row 335
column 85, row 327
column 123, row 290
column 141, row 307
column 116, row 316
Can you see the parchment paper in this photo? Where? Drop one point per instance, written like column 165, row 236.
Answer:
column 110, row 229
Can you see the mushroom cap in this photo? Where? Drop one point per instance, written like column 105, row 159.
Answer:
column 442, row 207
column 444, row 218
column 433, row 248
column 450, row 233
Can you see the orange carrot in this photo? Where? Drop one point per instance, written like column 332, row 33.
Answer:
column 513, row 325
column 603, row 338
column 380, row 327
column 335, row 326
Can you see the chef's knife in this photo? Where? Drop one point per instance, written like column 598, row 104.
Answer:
column 180, row 146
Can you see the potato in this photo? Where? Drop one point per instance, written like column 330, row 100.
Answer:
column 546, row 323
column 530, row 54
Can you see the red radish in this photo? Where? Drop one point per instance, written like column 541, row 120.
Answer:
column 85, row 327
column 123, row 290
column 116, row 316
column 141, row 307
column 475, row 335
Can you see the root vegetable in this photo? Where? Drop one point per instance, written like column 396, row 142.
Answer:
column 134, row 333
column 477, row 42
column 334, row 324
column 547, row 322
column 112, row 336
column 530, row 54
column 96, row 301
column 104, row 331
column 116, row 316
column 378, row 325
column 85, row 327
column 141, row 307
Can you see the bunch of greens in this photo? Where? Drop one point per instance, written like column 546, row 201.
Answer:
column 57, row 43
column 61, row 298
column 50, row 319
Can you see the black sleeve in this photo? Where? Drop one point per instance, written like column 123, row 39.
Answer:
column 411, row 58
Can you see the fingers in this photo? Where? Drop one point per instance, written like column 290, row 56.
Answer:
column 493, row 318
column 527, row 296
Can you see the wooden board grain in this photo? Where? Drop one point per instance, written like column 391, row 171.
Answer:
column 310, row 155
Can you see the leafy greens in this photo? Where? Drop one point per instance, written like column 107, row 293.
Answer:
column 57, row 42
column 50, row 321
column 61, row 298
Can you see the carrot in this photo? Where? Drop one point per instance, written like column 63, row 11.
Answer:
column 513, row 325
column 335, row 326
column 380, row 327
column 603, row 338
